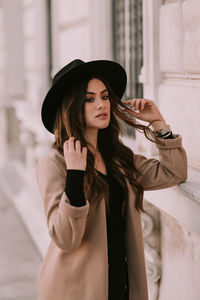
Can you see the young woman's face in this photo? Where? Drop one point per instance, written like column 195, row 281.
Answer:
column 97, row 105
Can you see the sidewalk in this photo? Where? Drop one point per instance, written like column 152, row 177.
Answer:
column 19, row 259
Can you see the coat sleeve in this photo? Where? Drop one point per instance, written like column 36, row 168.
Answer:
column 169, row 170
column 66, row 223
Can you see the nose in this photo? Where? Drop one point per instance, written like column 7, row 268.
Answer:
column 100, row 104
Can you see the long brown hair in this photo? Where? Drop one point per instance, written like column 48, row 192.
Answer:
column 118, row 158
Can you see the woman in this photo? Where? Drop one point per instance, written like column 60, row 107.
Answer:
column 92, row 184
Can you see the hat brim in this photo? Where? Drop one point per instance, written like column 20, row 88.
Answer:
column 113, row 72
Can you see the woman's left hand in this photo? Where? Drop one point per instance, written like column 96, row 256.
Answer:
column 147, row 111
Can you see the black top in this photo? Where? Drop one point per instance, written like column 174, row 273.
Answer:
column 116, row 226
column 118, row 276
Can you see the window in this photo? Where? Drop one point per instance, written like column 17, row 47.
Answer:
column 128, row 45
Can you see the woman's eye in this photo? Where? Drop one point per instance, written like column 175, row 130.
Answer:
column 105, row 97
column 89, row 99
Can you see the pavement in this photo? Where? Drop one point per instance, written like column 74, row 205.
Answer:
column 20, row 260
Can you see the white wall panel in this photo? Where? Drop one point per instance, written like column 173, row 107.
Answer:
column 29, row 22
column 74, row 43
column 71, row 11
column 171, row 38
column 191, row 36
column 180, row 105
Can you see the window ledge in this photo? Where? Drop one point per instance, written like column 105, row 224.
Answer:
column 192, row 187
column 192, row 190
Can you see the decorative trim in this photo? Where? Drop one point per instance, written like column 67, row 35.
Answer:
column 151, row 235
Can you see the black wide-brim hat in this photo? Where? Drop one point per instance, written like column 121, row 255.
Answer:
column 70, row 74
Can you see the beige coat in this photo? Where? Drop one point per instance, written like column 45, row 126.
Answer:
column 76, row 263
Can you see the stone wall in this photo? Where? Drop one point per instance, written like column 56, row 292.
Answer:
column 171, row 77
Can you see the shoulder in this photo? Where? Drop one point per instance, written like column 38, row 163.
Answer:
column 51, row 160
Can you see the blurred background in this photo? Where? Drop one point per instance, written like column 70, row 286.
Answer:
column 158, row 42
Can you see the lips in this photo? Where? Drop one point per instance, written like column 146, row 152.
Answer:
column 102, row 115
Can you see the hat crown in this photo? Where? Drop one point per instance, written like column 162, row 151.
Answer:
column 73, row 64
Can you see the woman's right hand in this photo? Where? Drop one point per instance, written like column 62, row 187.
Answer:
column 75, row 157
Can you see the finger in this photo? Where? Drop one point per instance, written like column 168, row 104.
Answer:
column 84, row 151
column 137, row 104
column 65, row 146
column 78, row 146
column 71, row 143
column 130, row 102
column 143, row 103
column 133, row 101
column 127, row 101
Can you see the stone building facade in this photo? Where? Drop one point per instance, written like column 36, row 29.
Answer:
column 158, row 41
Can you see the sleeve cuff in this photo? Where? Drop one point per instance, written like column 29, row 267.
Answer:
column 176, row 142
column 73, row 211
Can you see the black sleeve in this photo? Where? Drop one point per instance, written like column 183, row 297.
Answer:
column 74, row 187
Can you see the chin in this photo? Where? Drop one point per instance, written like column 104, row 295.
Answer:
column 101, row 125
column 104, row 126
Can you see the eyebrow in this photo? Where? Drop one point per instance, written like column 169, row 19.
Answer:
column 91, row 93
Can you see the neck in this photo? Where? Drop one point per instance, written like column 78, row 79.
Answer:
column 91, row 136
